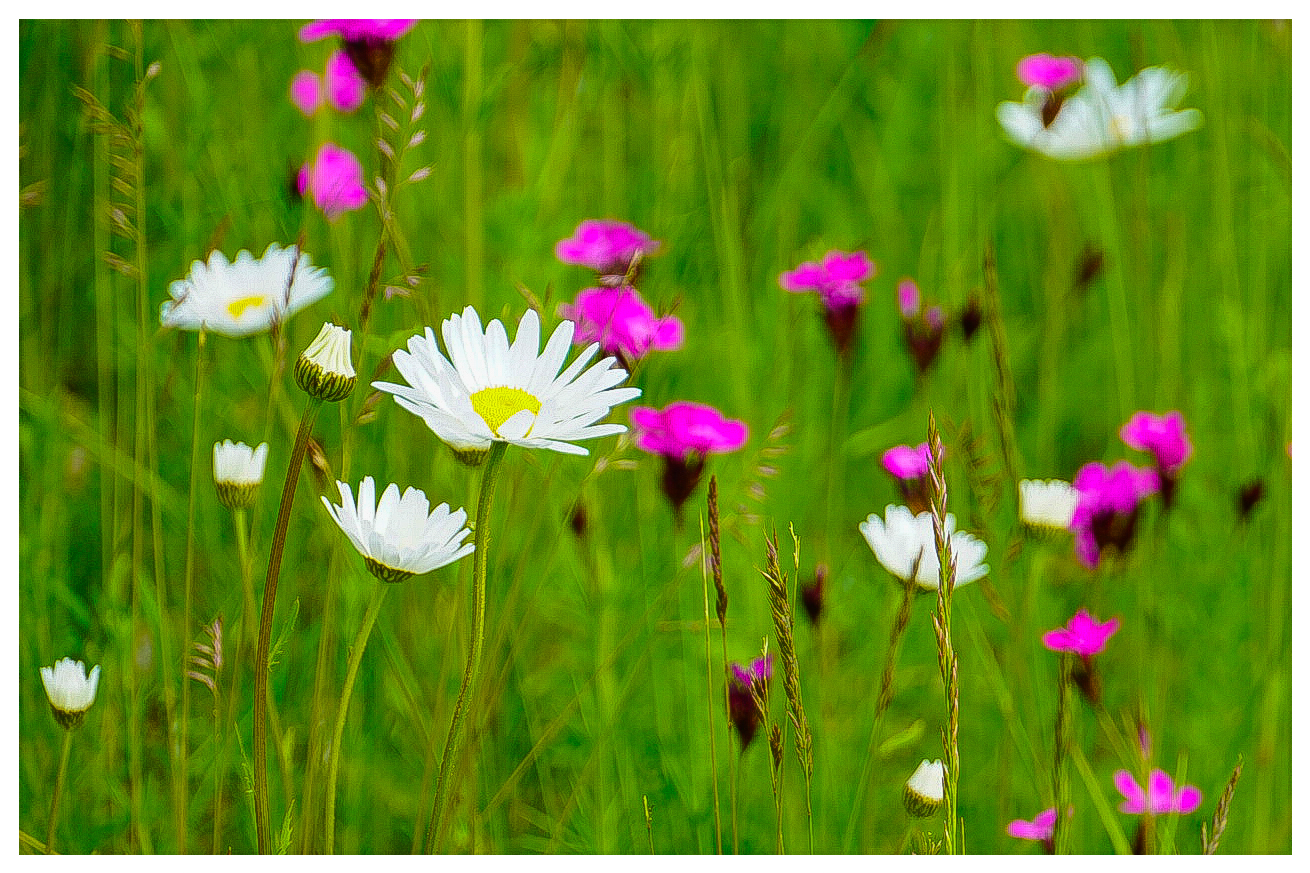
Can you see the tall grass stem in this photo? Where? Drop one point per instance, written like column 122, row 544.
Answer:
column 188, row 583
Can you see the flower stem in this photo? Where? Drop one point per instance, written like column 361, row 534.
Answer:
column 481, row 540
column 1063, row 739
column 184, row 717
column 59, row 789
column 260, row 764
column 352, row 669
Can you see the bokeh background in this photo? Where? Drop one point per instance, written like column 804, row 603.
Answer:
column 745, row 147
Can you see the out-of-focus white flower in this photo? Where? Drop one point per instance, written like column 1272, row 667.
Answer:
column 905, row 538
column 238, row 472
column 1047, row 504
column 925, row 788
column 70, row 690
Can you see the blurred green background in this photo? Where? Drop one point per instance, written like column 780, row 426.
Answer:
column 745, row 147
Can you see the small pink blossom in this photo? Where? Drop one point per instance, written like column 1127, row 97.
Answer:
column 906, row 462
column 1161, row 800
column 306, row 92
column 334, row 180
column 836, row 278
column 1041, row 828
column 621, row 322
column 923, row 330
column 345, row 87
column 684, row 429
column 907, row 295
column 607, row 247
column 1164, row 436
column 357, row 29
column 1048, row 72
column 742, row 710
column 1107, row 507
column 1083, row 636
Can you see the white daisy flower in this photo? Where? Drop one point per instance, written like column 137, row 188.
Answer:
column 238, row 472
column 490, row 390
column 905, row 537
column 1047, row 504
column 1102, row 117
column 70, row 690
column 397, row 536
column 246, row 296
column 925, row 789
column 323, row 369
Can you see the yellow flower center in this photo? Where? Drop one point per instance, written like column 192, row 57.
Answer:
column 241, row 304
column 498, row 405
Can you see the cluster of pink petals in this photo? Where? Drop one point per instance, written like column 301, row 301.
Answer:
column 906, row 462
column 836, row 278
column 343, row 84
column 907, row 296
column 334, row 179
column 1103, row 491
column 621, row 322
column 1083, row 636
column 605, row 246
column 1161, row 799
column 1041, row 828
column 1164, row 436
column 759, row 670
column 684, row 429
column 1048, row 72
column 357, row 29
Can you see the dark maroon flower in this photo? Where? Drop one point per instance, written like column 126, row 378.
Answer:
column 745, row 715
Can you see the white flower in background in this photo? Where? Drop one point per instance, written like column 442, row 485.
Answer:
column 925, row 788
column 1047, row 504
column 490, row 390
column 397, row 536
column 323, row 369
column 905, row 537
column 238, row 472
column 70, row 690
column 1102, row 117
column 245, row 296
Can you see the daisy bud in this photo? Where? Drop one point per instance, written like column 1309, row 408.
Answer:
column 324, row 370
column 238, row 472
column 925, row 788
column 70, row 690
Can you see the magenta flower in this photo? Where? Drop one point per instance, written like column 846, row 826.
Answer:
column 1049, row 73
column 909, row 466
column 370, row 42
column 1083, row 636
column 357, row 29
column 837, row 280
column 923, row 330
column 1161, row 799
column 742, row 710
column 1165, row 437
column 1040, row 829
column 684, row 434
column 1108, row 501
column 334, row 180
column 607, row 247
column 344, row 86
column 622, row 323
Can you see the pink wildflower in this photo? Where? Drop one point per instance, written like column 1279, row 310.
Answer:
column 344, row 86
column 1041, row 828
column 607, row 247
column 622, row 323
column 1161, row 799
column 1049, row 73
column 306, row 92
column 370, row 42
column 1083, row 636
column 1108, row 501
column 1165, row 437
column 837, row 280
column 334, row 180
column 923, row 330
column 742, row 710
column 909, row 465
column 683, row 434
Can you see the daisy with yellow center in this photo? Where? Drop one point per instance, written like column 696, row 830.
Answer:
column 246, row 296
column 490, row 390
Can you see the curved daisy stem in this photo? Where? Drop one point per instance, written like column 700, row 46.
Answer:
column 352, row 669
column 481, row 540
column 59, row 789
column 260, row 764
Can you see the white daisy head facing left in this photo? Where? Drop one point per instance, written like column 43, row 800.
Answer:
column 397, row 535
column 246, row 296
column 904, row 537
column 491, row 391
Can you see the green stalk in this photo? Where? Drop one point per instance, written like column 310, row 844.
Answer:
column 1063, row 740
column 709, row 706
column 352, row 669
column 59, row 789
column 187, row 586
column 260, row 764
column 481, row 540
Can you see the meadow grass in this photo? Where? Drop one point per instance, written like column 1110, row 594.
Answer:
column 746, row 148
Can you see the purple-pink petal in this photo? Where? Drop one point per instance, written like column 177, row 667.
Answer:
column 335, row 181
column 907, row 296
column 603, row 245
column 907, row 462
column 345, row 86
column 1134, row 797
column 1161, row 792
column 1188, row 799
column 843, row 267
column 621, row 322
column 1042, row 827
column 1164, row 436
column 683, row 428
column 836, row 278
column 306, row 92
column 354, row 29
column 1084, row 635
column 1051, row 73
